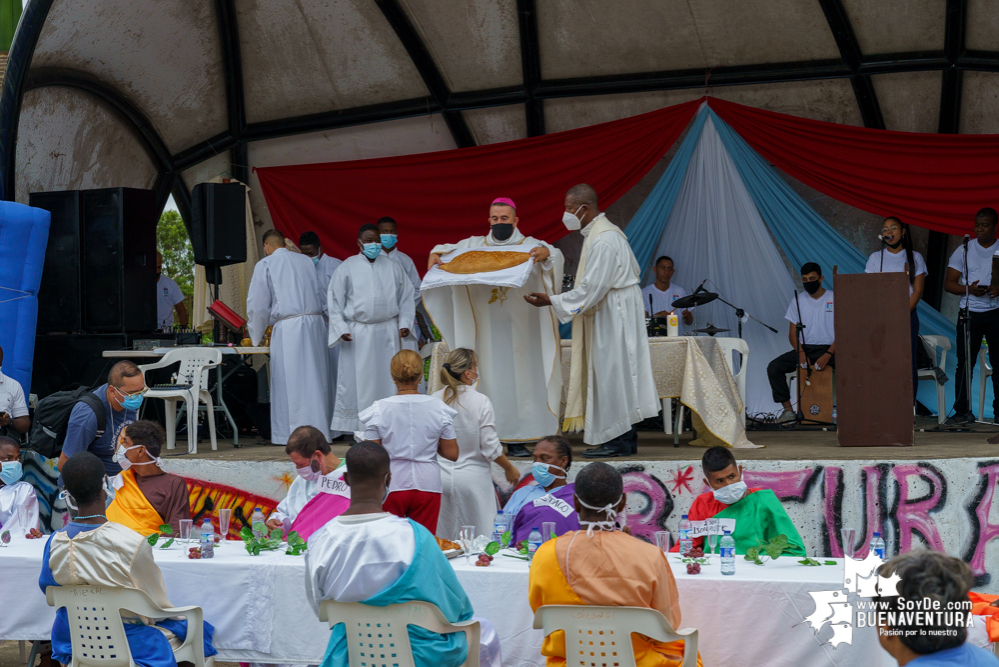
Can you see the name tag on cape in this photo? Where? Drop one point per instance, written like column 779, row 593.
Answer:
column 560, row 506
column 333, row 484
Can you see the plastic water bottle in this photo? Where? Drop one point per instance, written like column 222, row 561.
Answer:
column 878, row 546
column 499, row 526
column 257, row 524
column 533, row 542
column 207, row 540
column 686, row 542
column 727, row 553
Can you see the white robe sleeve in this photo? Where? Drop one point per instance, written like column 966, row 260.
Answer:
column 369, row 419
column 315, row 569
column 445, row 248
column 447, row 422
column 146, row 576
column 258, row 304
column 554, row 257
column 602, row 265
column 489, row 442
column 336, row 301
column 407, row 298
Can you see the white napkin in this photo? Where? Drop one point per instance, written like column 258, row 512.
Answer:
column 515, row 276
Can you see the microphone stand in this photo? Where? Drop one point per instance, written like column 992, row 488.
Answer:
column 740, row 313
column 799, row 345
column 964, row 316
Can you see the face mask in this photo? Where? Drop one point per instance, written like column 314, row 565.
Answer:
column 372, row 250
column 571, row 222
column 730, row 494
column 386, row 494
column 70, row 503
column 311, row 472
column 10, row 472
column 132, row 402
column 123, row 461
column 812, row 287
column 388, row 241
column 315, row 261
column 609, row 524
column 543, row 476
column 895, row 244
column 502, row 231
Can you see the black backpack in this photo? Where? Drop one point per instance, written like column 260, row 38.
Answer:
column 48, row 428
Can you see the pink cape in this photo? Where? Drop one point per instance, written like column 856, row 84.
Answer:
column 317, row 513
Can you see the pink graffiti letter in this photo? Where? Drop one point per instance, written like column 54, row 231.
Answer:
column 987, row 531
column 914, row 516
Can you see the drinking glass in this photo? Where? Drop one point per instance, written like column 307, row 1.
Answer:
column 225, row 515
column 22, row 519
column 713, row 530
column 185, row 529
column 847, row 534
column 662, row 540
column 547, row 530
column 467, row 537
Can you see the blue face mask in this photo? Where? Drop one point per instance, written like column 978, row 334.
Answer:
column 388, row 241
column 130, row 402
column 315, row 261
column 11, row 472
column 372, row 250
column 543, row 476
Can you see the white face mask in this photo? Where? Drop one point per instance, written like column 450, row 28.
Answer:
column 311, row 472
column 386, row 495
column 125, row 464
column 571, row 222
column 730, row 494
column 609, row 524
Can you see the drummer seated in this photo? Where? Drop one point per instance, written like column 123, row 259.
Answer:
column 92, row 551
column 817, row 344
column 146, row 497
column 370, row 556
column 663, row 292
column 758, row 514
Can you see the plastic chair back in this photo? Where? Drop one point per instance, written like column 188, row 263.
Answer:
column 194, row 361
column 98, row 633
column 601, row 636
column 378, row 636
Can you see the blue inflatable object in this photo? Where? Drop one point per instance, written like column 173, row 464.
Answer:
column 24, row 233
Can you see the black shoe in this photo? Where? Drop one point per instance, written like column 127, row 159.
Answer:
column 961, row 420
column 516, row 449
column 602, row 452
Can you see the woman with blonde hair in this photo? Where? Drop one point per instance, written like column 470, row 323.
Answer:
column 469, row 498
column 413, row 428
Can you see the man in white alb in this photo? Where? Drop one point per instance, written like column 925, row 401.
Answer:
column 168, row 297
column 284, row 293
column 388, row 231
column 983, row 304
column 310, row 246
column 663, row 292
column 518, row 346
column 371, row 309
column 610, row 385
column 817, row 344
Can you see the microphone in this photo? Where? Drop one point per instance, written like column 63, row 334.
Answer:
column 967, row 237
column 652, row 312
column 882, row 239
column 699, row 287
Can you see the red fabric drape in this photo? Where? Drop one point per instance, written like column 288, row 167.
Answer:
column 444, row 197
column 938, row 181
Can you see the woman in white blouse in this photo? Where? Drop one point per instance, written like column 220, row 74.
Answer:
column 413, row 428
column 469, row 498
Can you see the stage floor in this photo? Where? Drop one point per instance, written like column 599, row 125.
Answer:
column 794, row 445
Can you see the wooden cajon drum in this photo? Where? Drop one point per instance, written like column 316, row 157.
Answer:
column 816, row 395
column 873, row 360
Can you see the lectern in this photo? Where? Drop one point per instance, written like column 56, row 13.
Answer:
column 873, row 360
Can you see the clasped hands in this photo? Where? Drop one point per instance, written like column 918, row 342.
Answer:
column 820, row 363
column 347, row 337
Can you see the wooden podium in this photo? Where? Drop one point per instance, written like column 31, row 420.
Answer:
column 873, row 360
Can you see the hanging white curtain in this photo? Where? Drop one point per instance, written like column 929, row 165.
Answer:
column 715, row 231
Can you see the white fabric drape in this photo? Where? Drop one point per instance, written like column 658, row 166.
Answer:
column 715, row 231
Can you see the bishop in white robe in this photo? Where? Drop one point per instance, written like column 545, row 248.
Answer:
column 371, row 307
column 518, row 346
column 284, row 292
column 611, row 385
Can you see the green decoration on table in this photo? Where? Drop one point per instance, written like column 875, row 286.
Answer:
column 296, row 545
column 153, row 538
column 772, row 549
column 505, row 539
column 166, row 545
column 254, row 545
column 813, row 562
column 492, row 548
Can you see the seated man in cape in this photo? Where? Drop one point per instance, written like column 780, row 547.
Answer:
column 92, row 551
column 370, row 556
column 145, row 496
column 318, row 493
column 758, row 513
column 602, row 566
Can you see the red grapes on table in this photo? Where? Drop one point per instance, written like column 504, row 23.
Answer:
column 194, row 553
column 484, row 560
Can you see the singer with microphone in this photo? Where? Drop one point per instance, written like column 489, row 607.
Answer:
column 660, row 295
column 972, row 280
column 896, row 256
column 815, row 346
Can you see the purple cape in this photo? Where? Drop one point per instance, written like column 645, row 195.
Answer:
column 530, row 516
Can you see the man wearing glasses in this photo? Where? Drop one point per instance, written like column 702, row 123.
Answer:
column 121, row 397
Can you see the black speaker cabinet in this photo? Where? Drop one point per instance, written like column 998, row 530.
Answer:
column 59, row 303
column 218, row 225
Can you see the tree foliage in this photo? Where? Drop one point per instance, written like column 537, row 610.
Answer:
column 178, row 255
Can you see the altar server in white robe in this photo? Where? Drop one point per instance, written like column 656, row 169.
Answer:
column 14, row 493
column 370, row 556
column 310, row 246
column 284, row 293
column 388, row 230
column 611, row 385
column 518, row 346
column 371, row 309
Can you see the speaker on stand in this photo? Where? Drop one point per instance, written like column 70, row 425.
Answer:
column 218, row 231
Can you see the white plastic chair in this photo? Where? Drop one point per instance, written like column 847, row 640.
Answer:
column 378, row 636
column 601, row 636
column 931, row 344
column 984, row 373
column 728, row 347
column 194, row 364
column 98, row 633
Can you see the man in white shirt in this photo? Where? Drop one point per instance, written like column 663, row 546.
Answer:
column 983, row 304
column 168, row 297
column 663, row 292
column 388, row 231
column 817, row 345
column 13, row 409
column 309, row 244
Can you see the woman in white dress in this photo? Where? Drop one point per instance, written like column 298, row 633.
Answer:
column 414, row 429
column 468, row 497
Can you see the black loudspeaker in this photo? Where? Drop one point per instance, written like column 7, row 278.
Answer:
column 218, row 227
column 59, row 302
